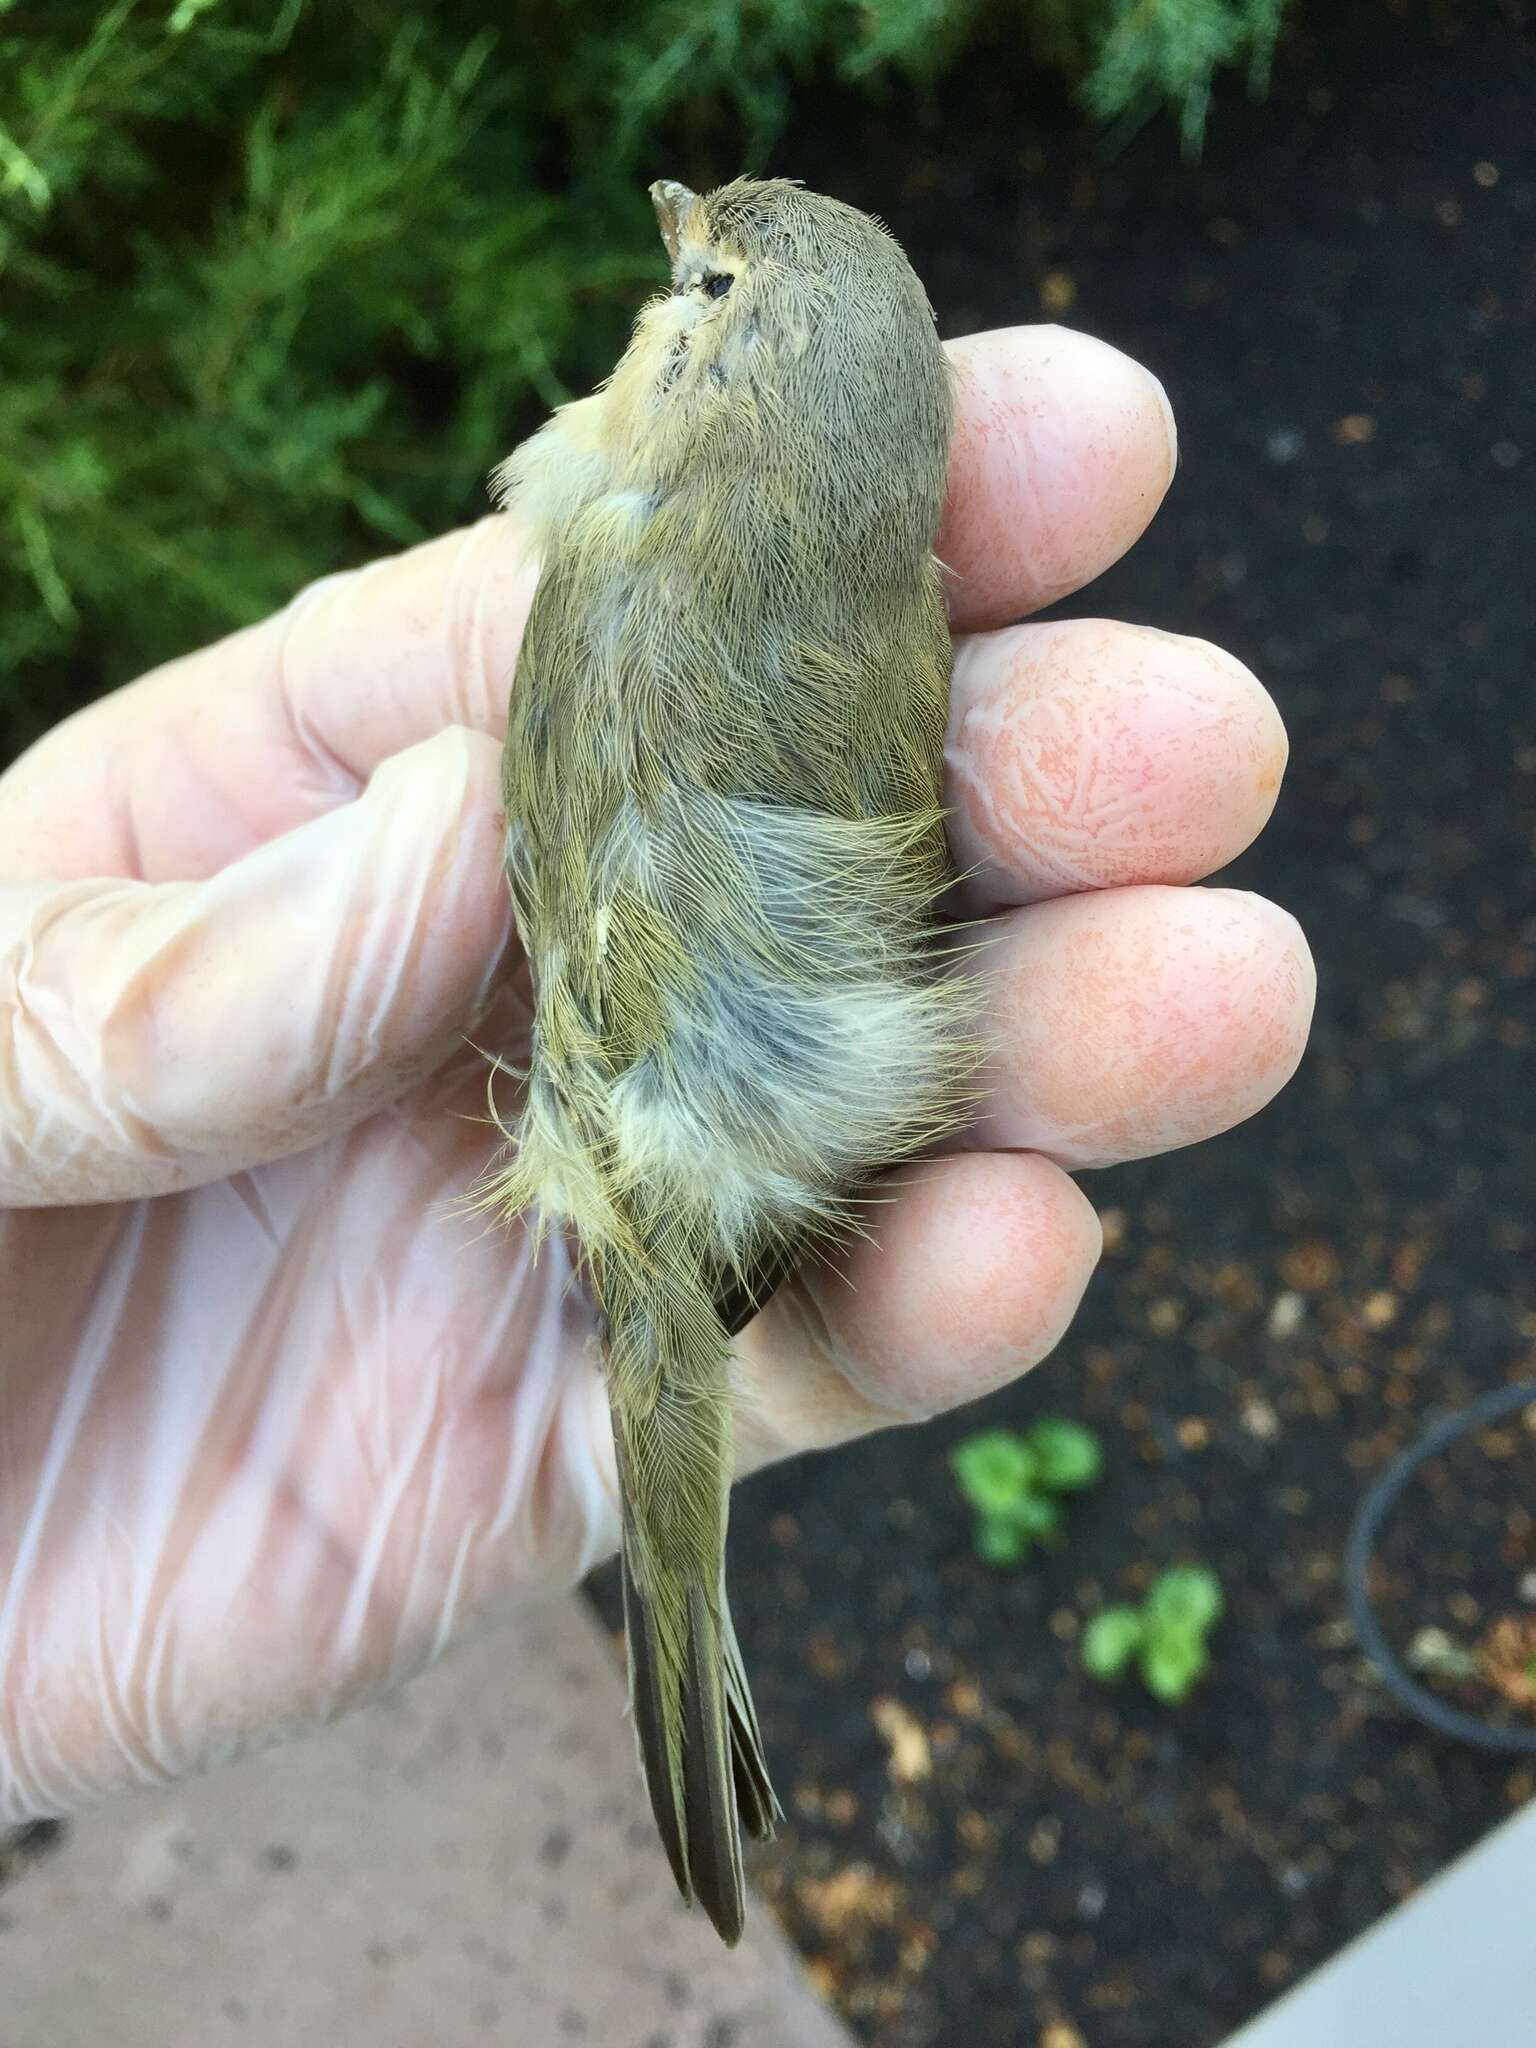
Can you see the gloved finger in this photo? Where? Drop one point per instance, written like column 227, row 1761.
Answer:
column 212, row 755
column 974, row 1267
column 1133, row 1021
column 1063, row 450
column 1085, row 754
column 270, row 1443
column 153, row 1036
column 312, row 1428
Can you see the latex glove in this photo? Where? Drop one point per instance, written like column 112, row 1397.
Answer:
column 275, row 1422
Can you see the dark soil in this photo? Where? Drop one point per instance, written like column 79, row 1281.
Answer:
column 984, row 1846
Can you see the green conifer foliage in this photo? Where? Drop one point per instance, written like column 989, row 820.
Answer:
column 280, row 279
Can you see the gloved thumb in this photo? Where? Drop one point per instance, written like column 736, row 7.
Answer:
column 158, row 1035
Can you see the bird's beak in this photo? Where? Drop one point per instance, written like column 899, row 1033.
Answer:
column 671, row 202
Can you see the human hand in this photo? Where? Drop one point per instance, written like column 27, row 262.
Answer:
column 276, row 1421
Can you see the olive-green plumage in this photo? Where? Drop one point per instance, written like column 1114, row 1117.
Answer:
column 724, row 845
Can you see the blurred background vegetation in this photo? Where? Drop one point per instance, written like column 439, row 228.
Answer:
column 280, row 282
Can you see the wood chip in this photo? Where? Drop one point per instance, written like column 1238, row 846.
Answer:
column 911, row 1759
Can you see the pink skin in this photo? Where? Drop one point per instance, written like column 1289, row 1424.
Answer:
column 1086, row 755
column 1063, row 450
column 311, row 1421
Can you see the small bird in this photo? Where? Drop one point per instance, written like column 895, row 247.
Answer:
column 725, row 848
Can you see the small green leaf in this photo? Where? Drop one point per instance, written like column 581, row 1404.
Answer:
column 40, row 560
column 1067, row 1456
column 993, row 1468
column 185, row 13
column 21, row 174
column 1000, row 1542
column 1038, row 1516
column 1186, row 1598
column 1110, row 1641
column 1172, row 1662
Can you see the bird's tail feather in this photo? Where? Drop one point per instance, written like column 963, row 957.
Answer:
column 695, row 1725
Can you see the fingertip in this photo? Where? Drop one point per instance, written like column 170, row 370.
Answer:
column 452, row 770
column 1134, row 1021
column 1089, row 754
column 1064, row 448
column 1295, row 970
column 1170, row 424
column 975, row 1270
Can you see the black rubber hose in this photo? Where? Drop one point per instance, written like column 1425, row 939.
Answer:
column 1378, row 1503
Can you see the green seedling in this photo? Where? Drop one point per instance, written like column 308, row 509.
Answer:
column 1165, row 1637
column 1014, row 1482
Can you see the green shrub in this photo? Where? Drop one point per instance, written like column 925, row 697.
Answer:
column 280, row 280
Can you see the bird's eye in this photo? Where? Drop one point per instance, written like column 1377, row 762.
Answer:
column 718, row 283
